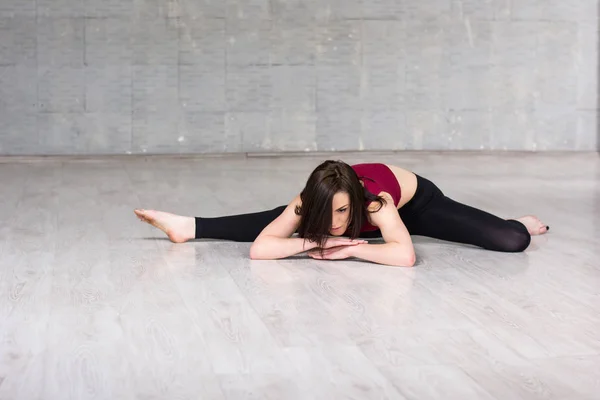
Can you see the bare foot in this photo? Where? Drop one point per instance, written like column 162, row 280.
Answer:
column 534, row 225
column 178, row 228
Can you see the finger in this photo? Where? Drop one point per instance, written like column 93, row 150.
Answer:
column 353, row 241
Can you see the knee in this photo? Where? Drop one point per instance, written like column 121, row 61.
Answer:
column 515, row 241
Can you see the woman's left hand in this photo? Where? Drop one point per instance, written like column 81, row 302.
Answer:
column 333, row 253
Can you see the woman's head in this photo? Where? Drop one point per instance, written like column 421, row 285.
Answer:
column 333, row 202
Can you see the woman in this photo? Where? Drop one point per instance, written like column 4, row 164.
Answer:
column 358, row 201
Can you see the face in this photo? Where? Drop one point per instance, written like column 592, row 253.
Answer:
column 340, row 213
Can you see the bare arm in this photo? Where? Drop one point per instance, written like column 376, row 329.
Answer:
column 274, row 241
column 398, row 248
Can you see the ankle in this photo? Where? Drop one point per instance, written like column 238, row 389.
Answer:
column 196, row 227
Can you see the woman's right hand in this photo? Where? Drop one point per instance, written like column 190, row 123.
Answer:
column 340, row 241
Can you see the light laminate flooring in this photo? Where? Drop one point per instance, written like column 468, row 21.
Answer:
column 95, row 304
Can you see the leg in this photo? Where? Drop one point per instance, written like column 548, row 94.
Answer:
column 433, row 214
column 239, row 228
column 450, row 220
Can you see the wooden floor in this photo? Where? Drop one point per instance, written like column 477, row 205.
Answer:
column 97, row 305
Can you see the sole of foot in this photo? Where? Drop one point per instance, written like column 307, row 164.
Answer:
column 179, row 229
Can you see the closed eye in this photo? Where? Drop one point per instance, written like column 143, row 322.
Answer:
column 342, row 210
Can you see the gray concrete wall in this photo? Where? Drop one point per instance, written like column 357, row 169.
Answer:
column 202, row 76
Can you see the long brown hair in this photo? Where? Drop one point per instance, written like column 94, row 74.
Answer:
column 329, row 178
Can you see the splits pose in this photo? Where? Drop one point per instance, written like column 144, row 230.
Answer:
column 341, row 205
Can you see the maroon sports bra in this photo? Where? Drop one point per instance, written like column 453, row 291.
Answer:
column 377, row 178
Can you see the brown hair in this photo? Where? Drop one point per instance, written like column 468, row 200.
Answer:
column 329, row 178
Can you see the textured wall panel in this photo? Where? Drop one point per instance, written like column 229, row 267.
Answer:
column 61, row 89
column 514, row 43
column 482, row 9
column 383, row 10
column 252, row 129
column 155, row 132
column 556, row 128
column 155, row 41
column 176, row 76
column 249, row 89
column 383, row 69
column 557, row 62
column 108, row 133
column 470, row 43
column 293, row 43
column 18, row 41
column 425, row 129
column 292, row 130
column 587, row 125
column 292, row 11
column 331, row 10
column 339, row 43
column 338, row 89
column 18, row 89
column 544, row 10
column 201, row 91
column 202, row 42
column 155, row 88
column 469, row 130
column 18, row 133
column 110, row 8
column 248, row 43
column 426, row 9
column 157, row 9
column 205, row 133
column 204, row 8
column 514, row 130
column 108, row 42
column 293, row 88
column 85, row 133
column 18, row 8
column 338, row 130
column 60, row 42
column 248, row 9
column 108, row 89
column 60, row 8
column 383, row 129
column 587, row 65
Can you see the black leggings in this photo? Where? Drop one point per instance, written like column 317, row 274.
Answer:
column 429, row 213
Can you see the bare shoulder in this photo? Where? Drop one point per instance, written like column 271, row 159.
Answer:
column 389, row 222
column 387, row 218
column 375, row 207
column 286, row 223
column 290, row 210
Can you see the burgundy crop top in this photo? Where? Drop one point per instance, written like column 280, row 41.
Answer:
column 377, row 178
